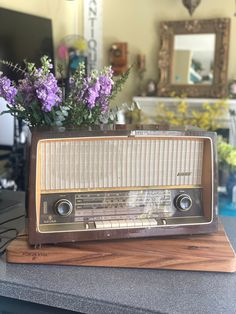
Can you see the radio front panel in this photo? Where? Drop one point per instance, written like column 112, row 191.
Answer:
column 118, row 209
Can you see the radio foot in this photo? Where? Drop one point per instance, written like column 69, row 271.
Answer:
column 37, row 246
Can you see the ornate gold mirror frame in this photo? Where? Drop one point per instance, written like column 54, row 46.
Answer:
column 221, row 29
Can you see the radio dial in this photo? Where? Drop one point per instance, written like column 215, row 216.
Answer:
column 63, row 207
column 183, row 202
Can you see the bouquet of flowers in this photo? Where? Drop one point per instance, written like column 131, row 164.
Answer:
column 38, row 100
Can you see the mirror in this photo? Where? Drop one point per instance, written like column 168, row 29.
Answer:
column 193, row 58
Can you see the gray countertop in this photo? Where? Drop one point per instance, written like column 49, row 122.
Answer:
column 107, row 290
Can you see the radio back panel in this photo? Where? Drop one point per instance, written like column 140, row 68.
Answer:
column 88, row 185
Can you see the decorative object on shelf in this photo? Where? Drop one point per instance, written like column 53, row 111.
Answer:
column 118, row 57
column 233, row 126
column 151, row 88
column 37, row 99
column 177, row 51
column 232, row 89
column 133, row 114
column 72, row 51
column 141, row 62
column 191, row 5
column 141, row 69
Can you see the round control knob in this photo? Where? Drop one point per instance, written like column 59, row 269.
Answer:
column 183, row 202
column 63, row 207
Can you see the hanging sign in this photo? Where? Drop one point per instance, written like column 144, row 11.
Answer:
column 93, row 32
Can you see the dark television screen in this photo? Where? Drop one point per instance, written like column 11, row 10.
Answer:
column 24, row 36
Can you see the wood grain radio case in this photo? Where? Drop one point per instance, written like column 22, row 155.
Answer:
column 121, row 182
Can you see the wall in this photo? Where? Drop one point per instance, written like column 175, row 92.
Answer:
column 133, row 21
column 137, row 22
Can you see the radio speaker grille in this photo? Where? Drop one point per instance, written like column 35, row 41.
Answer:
column 111, row 163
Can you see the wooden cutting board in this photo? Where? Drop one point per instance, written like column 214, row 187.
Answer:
column 211, row 252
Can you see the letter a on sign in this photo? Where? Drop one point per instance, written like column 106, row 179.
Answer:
column 93, row 32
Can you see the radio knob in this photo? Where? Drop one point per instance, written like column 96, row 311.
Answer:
column 63, row 207
column 183, row 202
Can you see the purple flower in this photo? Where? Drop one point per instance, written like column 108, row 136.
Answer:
column 7, row 90
column 48, row 92
column 96, row 92
column 106, row 85
column 42, row 88
column 26, row 89
column 89, row 92
column 92, row 94
column 104, row 104
column 93, row 91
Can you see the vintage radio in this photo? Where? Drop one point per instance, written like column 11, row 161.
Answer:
column 120, row 182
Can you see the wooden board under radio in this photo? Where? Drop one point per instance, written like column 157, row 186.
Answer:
column 212, row 252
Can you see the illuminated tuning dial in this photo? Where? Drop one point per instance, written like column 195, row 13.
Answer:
column 63, row 207
column 183, row 202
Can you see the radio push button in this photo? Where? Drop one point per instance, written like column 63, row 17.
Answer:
column 138, row 223
column 152, row 222
column 115, row 224
column 63, row 207
column 183, row 202
column 106, row 224
column 145, row 222
column 122, row 223
column 149, row 222
column 99, row 224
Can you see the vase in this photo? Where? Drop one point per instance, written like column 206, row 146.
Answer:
column 227, row 202
column 223, row 175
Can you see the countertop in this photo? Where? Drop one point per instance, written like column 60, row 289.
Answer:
column 107, row 290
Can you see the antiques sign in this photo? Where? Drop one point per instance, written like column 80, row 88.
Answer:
column 93, row 32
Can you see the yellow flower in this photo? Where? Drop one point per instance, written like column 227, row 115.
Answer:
column 206, row 106
column 231, row 158
column 175, row 121
column 195, row 114
column 206, row 118
column 182, row 107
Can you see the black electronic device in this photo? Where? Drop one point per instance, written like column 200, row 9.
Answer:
column 12, row 216
column 24, row 36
